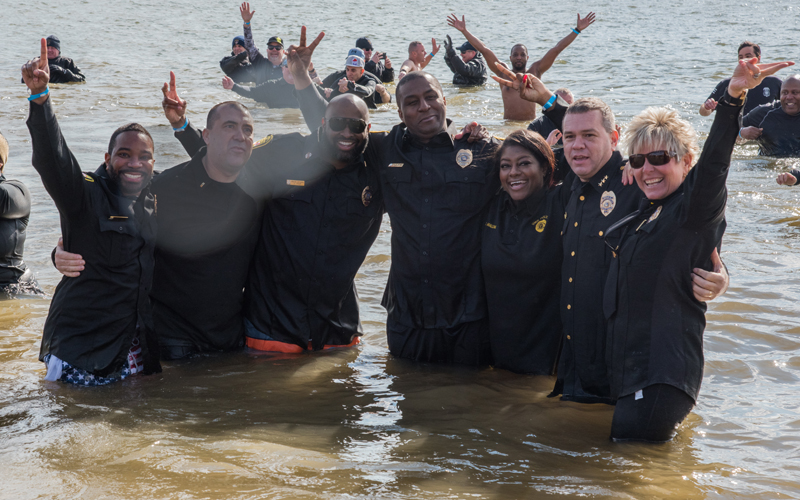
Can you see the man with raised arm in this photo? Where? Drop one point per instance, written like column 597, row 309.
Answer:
column 516, row 108
column 99, row 327
column 600, row 196
column 417, row 57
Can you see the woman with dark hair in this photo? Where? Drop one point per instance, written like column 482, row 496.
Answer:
column 521, row 257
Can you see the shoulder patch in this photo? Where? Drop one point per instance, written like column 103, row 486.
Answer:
column 501, row 139
column 263, row 141
column 377, row 132
column 88, row 178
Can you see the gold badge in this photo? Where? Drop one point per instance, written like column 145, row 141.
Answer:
column 262, row 142
column 464, row 158
column 290, row 182
column 655, row 214
column 607, row 202
column 540, row 224
column 395, row 165
column 366, row 196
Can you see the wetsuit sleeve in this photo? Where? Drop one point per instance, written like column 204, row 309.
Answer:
column 330, row 80
column 556, row 113
column 472, row 69
column 756, row 116
column 15, row 200
column 230, row 64
column 250, row 45
column 312, row 105
column 71, row 74
column 58, row 168
column 705, row 184
column 796, row 174
column 191, row 139
column 362, row 90
column 387, row 75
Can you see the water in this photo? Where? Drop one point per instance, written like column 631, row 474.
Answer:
column 358, row 424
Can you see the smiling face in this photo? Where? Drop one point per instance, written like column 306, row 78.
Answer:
column 422, row 106
column 237, row 49
column 52, row 52
column 275, row 54
column 587, row 144
column 790, row 95
column 468, row 55
column 658, row 182
column 345, row 146
column 130, row 163
column 229, row 139
column 748, row 52
column 521, row 175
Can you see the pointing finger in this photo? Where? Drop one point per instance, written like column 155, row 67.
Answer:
column 43, row 56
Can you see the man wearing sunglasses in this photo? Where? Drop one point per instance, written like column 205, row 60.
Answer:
column 470, row 68
column 600, row 196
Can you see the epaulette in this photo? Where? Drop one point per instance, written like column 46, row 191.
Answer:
column 263, row 141
column 501, row 139
column 88, row 178
column 377, row 132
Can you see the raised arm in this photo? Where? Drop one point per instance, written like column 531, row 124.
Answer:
column 249, row 44
column 298, row 57
column 175, row 111
column 488, row 55
column 539, row 67
column 428, row 57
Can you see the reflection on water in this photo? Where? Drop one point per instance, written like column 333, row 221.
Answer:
column 356, row 423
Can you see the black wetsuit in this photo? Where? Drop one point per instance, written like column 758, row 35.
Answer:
column 64, row 70
column 15, row 209
column 521, row 262
column 261, row 67
column 207, row 232
column 767, row 91
column 470, row 74
column 781, row 131
column 274, row 93
column 380, row 71
column 364, row 87
column 238, row 67
column 93, row 318
column 655, row 324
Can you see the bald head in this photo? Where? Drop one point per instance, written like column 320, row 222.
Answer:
column 790, row 95
column 346, row 105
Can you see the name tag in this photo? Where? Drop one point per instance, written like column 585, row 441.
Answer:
column 117, row 217
column 396, row 165
column 290, row 182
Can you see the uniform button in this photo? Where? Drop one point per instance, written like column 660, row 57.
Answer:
column 600, row 233
column 120, row 228
column 570, row 280
column 424, row 252
column 425, row 281
column 424, row 226
column 466, row 178
column 582, row 198
column 426, row 172
column 573, row 254
column 576, row 224
column 426, row 200
column 569, row 338
column 569, row 306
column 565, row 215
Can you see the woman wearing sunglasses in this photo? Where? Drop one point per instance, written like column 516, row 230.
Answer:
column 521, row 257
column 655, row 341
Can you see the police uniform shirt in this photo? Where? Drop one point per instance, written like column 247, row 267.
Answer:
column 435, row 195
column 767, row 91
column 521, row 261
column 781, row 131
column 655, row 323
column 207, row 232
column 93, row 318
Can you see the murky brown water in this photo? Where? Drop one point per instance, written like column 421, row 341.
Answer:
column 359, row 424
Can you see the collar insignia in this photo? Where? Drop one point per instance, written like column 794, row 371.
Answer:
column 603, row 181
column 655, row 214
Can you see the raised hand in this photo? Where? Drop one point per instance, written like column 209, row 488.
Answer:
column 448, row 45
column 553, row 137
column 434, row 48
column 387, row 63
column 298, row 57
column 376, row 57
column 585, row 22
column 227, row 83
column 786, row 179
column 245, row 11
column 174, row 106
column 452, row 20
column 749, row 74
column 36, row 73
column 530, row 88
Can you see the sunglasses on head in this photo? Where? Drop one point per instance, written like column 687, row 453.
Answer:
column 655, row 158
column 274, row 47
column 355, row 125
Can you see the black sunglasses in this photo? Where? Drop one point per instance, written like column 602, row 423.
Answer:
column 655, row 158
column 274, row 47
column 355, row 125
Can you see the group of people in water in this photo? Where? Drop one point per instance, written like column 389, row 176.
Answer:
column 592, row 261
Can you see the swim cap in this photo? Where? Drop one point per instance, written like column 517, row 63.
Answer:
column 53, row 41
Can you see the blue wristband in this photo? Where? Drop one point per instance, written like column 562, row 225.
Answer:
column 36, row 96
column 575, row 30
column 185, row 124
column 432, row 55
column 247, row 23
column 549, row 103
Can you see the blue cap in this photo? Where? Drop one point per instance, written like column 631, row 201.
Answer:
column 356, row 52
column 238, row 40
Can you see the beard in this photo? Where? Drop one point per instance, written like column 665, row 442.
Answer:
column 334, row 153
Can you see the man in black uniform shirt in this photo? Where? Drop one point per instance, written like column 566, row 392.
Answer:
column 95, row 320
column 376, row 63
column 766, row 92
column 776, row 126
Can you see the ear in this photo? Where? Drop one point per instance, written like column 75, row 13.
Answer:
column 615, row 138
column 400, row 113
column 108, row 161
column 369, row 127
column 687, row 163
column 206, row 133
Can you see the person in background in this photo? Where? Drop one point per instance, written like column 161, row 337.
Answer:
column 62, row 69
column 776, row 126
column 376, row 63
column 16, row 280
column 469, row 69
column 417, row 58
column 352, row 80
column 237, row 65
column 264, row 68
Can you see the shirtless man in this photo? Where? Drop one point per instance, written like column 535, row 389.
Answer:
column 515, row 108
column 417, row 58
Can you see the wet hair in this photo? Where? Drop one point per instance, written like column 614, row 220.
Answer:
column 413, row 45
column 587, row 104
column 537, row 146
column 410, row 77
column 756, row 48
column 130, row 127
column 3, row 152
column 660, row 128
column 214, row 111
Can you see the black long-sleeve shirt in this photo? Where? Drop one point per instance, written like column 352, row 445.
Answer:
column 655, row 333
column 274, row 93
column 15, row 210
column 207, row 232
column 380, row 71
column 238, row 67
column 364, row 87
column 93, row 318
column 521, row 262
column 261, row 67
column 471, row 73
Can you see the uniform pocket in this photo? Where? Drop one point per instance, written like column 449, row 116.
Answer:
column 463, row 191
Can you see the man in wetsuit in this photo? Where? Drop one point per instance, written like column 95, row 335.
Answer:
column 776, row 126
column 516, row 108
column 98, row 322
column 765, row 93
column 417, row 57
column 62, row 69
column 376, row 63
column 352, row 80
column 469, row 69
column 15, row 210
column 593, row 169
column 237, row 65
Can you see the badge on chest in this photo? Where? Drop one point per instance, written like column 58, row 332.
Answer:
column 464, row 158
column 608, row 200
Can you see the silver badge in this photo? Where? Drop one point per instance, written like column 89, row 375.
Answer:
column 608, row 201
column 655, row 214
column 464, row 158
column 766, row 91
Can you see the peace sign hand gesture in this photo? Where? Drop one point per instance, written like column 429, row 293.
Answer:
column 36, row 73
column 174, row 106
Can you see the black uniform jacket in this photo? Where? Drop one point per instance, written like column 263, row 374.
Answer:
column 207, row 232
column 781, row 131
column 93, row 317
column 521, row 261
column 380, row 71
column 318, row 226
column 655, row 323
column 274, row 93
column 472, row 73
column 238, row 67
column 364, row 87
column 591, row 209
column 15, row 209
